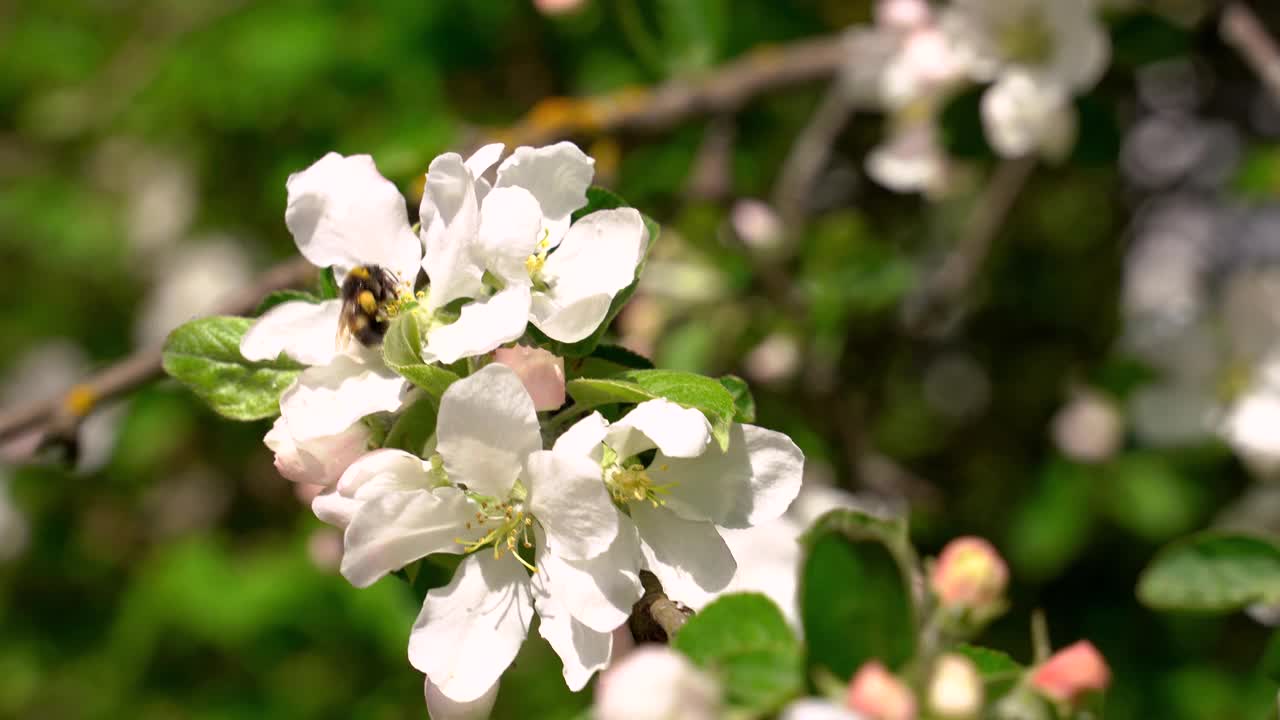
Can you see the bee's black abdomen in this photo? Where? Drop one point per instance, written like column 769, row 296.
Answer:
column 365, row 291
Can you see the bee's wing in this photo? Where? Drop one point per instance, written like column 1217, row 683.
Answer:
column 343, row 337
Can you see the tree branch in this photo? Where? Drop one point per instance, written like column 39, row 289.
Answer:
column 656, row 618
column 1242, row 29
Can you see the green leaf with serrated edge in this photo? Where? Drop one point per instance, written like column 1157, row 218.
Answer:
column 414, row 426
column 280, row 297
column 327, row 286
column 744, row 640
column 743, row 401
column 998, row 671
column 1212, row 572
column 855, row 592
column 693, row 391
column 402, row 352
column 205, row 356
column 600, row 199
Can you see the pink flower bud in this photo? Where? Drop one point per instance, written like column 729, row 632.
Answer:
column 557, row 7
column 969, row 573
column 902, row 14
column 955, row 690
column 655, row 682
column 876, row 693
column 541, row 372
column 319, row 461
column 1071, row 672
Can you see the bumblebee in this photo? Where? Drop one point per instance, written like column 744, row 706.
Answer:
column 366, row 292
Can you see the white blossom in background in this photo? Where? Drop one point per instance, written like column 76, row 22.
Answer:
column 912, row 159
column 1038, row 55
column 815, row 709
column 657, row 683
column 756, row 224
column 342, row 214
column 509, row 249
column 192, row 280
column 1089, row 427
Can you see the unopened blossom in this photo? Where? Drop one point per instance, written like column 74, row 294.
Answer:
column 542, row 373
column 1038, row 54
column 320, row 460
column 342, row 214
column 969, row 574
column 1089, row 428
column 488, row 490
column 879, row 695
column 657, row 683
column 1072, row 672
column 756, row 224
column 557, row 7
column 955, row 689
column 510, row 251
column 691, row 488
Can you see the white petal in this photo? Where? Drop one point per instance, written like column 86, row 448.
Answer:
column 557, row 175
column 486, row 428
column 753, row 482
column 597, row 259
column 343, row 213
column 334, row 508
column 679, row 432
column 306, row 332
column 1020, row 113
column 440, row 707
column 568, row 497
column 583, row 437
column 389, row 469
column 319, row 461
column 598, row 592
column 482, row 326
column 509, row 224
column 689, row 557
column 484, row 158
column 393, row 530
column 327, row 399
column 815, row 709
column 470, row 630
column 450, row 203
column 582, row 650
column 654, row 682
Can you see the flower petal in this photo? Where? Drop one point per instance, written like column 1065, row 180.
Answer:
column 450, row 215
column 753, row 482
column 568, row 497
column 343, row 213
column 482, row 326
column 393, row 530
column 598, row 592
column 334, row 508
column 582, row 650
column 486, row 428
column 470, row 630
column 306, row 332
column 327, row 399
column 597, row 259
column 509, row 224
column 389, row 469
column 440, row 707
column 558, row 176
column 679, row 432
column 583, row 437
column 484, row 158
column 320, row 460
column 689, row 557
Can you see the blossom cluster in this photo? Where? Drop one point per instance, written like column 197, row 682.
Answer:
column 549, row 518
column 1034, row 56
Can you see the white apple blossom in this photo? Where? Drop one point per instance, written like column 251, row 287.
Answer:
column 342, row 214
column 320, row 460
column 657, row 683
column 488, row 490
column 510, row 249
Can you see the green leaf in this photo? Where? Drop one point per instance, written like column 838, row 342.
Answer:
column 205, row 356
column 434, row 571
column 855, row 592
column 600, row 199
column 402, row 351
column 593, row 392
column 999, row 672
column 744, row 403
column 745, row 641
column 414, row 426
column 1212, row 572
column 1271, row 658
column 619, row 355
column 280, row 297
column 687, row 389
column 327, row 287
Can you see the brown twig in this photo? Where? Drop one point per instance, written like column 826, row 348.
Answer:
column 938, row 304
column 61, row 415
column 656, row 618
column 723, row 90
column 1242, row 29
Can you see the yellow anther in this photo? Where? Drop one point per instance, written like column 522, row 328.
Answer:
column 79, row 401
column 533, row 264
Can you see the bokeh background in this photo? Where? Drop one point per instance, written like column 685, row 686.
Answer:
column 1062, row 403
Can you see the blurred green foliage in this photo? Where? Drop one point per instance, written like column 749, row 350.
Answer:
column 183, row 579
